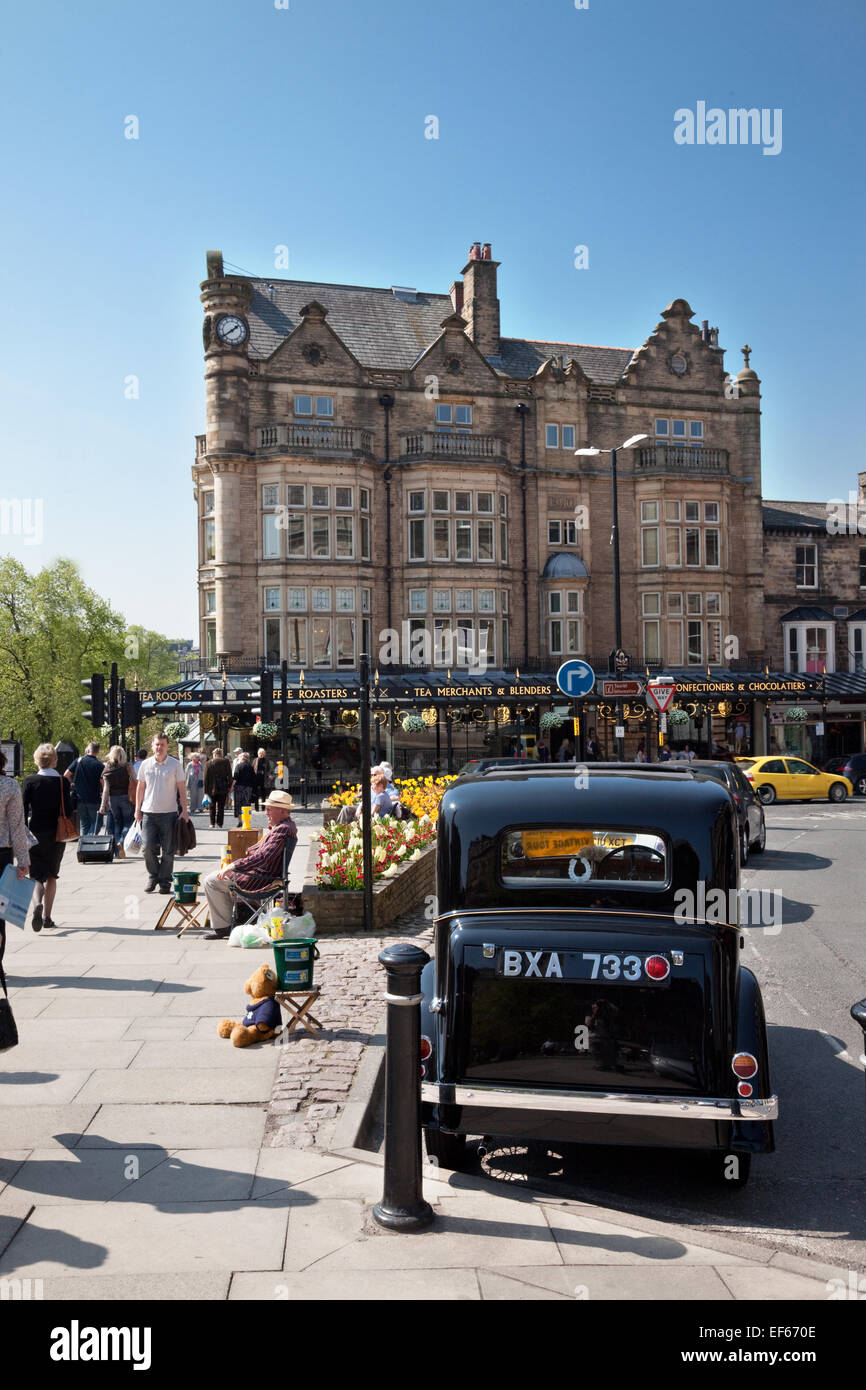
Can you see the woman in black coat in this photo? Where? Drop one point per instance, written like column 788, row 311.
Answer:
column 46, row 796
column 244, row 784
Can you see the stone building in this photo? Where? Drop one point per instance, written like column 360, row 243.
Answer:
column 382, row 468
column 815, row 618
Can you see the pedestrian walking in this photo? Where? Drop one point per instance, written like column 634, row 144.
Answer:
column 85, row 775
column 118, row 786
column 245, row 784
column 160, row 786
column 46, row 796
column 194, row 778
column 262, row 769
column 217, row 784
column 14, row 844
column 640, row 755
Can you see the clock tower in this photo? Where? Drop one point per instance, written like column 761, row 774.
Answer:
column 226, row 336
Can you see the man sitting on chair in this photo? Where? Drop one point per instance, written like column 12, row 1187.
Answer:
column 258, row 869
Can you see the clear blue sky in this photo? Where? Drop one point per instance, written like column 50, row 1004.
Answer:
column 305, row 126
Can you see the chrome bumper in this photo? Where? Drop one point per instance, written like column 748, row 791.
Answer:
column 602, row 1103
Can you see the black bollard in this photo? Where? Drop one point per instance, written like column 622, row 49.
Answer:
column 402, row 1207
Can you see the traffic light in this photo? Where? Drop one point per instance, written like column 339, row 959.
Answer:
column 96, row 700
column 131, row 708
column 265, row 687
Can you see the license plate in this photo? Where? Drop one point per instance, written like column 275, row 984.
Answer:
column 605, row 967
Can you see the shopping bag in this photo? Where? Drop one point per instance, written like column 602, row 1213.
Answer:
column 246, row 935
column 132, row 844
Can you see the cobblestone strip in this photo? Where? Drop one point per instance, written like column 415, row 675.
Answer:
column 316, row 1074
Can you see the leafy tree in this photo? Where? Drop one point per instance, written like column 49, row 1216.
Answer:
column 55, row 632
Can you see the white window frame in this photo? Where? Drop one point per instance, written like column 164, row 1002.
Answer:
column 806, row 565
column 551, row 436
column 802, row 629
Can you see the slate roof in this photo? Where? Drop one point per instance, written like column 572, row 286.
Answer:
column 794, row 516
column 808, row 615
column 384, row 330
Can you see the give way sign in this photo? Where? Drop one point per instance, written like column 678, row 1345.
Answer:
column 661, row 693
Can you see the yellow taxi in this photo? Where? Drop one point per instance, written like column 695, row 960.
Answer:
column 793, row 779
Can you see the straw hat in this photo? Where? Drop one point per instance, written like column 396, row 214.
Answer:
column 281, row 799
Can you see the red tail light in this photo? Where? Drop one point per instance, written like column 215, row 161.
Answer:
column 657, row 967
column 744, row 1065
column 426, row 1048
column 744, row 1089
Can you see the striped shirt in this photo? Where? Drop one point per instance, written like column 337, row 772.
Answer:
column 263, row 864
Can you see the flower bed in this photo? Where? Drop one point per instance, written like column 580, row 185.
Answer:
column 340, row 860
column 421, row 795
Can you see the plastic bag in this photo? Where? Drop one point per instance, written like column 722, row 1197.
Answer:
column 132, row 843
column 304, row 925
column 205, row 801
column 246, row 935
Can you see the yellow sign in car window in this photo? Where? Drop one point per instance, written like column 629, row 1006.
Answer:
column 562, row 844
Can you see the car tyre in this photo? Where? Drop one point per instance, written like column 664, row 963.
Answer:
column 860, row 786
column 721, row 1170
column 766, row 794
column 838, row 792
column 761, row 843
column 744, row 846
column 447, row 1150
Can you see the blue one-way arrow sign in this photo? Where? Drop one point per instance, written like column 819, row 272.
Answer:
column 575, row 678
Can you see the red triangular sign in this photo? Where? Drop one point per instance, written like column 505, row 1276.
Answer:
column 661, row 696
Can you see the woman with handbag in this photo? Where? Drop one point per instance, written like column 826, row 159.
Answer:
column 116, row 805
column 14, row 842
column 48, row 808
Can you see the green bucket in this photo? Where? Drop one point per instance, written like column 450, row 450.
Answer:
column 294, row 961
column 185, row 887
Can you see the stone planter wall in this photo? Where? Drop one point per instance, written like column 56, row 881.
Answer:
column 337, row 911
column 329, row 812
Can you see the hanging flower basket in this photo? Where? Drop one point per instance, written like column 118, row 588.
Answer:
column 413, row 724
column 105, row 732
column 550, row 720
column 678, row 716
column 176, row 730
column 797, row 714
column 265, row 730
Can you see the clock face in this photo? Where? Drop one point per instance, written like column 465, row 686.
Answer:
column 679, row 364
column 231, row 330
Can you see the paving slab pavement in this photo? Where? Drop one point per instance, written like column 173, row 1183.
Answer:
column 143, row 1157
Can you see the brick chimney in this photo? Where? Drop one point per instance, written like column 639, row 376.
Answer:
column 480, row 304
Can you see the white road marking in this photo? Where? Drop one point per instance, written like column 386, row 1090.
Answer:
column 796, row 1003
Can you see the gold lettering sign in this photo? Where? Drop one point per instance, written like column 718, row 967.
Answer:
column 540, row 844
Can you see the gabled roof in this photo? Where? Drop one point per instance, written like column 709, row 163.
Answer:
column 387, row 330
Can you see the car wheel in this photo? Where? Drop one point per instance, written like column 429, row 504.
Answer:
column 447, row 1150
column 761, row 843
column 731, row 1171
column 838, row 792
column 766, row 794
column 860, row 786
column 744, row 847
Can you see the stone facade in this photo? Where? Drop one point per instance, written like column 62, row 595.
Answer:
column 815, row 583
column 474, row 518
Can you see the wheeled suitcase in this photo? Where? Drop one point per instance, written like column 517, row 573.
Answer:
column 95, row 849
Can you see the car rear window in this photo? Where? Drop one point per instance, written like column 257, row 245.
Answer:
column 534, row 856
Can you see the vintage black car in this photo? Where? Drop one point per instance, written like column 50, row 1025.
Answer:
column 586, row 984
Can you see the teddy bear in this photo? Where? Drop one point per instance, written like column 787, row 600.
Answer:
column 263, row 1019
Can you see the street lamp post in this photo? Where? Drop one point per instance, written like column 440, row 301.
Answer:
column 614, row 540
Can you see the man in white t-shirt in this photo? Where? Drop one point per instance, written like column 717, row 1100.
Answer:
column 160, row 784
